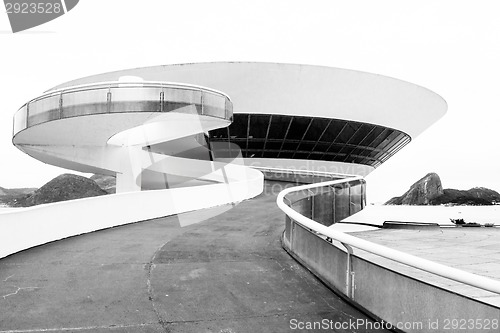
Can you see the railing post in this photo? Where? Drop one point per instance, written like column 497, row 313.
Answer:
column 349, row 196
column 61, row 105
column 312, row 203
column 225, row 108
column 27, row 114
column 333, row 204
column 349, row 279
column 363, row 194
column 291, row 222
column 162, row 99
column 108, row 100
column 202, row 101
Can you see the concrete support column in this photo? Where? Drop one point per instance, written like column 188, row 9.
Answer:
column 128, row 182
column 129, row 179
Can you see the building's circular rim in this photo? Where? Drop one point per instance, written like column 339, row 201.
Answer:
column 260, row 88
column 23, row 111
column 302, row 89
column 180, row 64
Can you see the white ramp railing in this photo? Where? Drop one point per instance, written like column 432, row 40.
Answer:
column 382, row 251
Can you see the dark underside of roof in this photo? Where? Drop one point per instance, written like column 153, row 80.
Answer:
column 310, row 138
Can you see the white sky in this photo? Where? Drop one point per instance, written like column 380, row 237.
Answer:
column 450, row 47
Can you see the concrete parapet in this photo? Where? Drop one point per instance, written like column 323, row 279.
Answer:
column 409, row 304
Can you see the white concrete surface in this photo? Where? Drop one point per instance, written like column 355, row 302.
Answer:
column 304, row 90
column 24, row 228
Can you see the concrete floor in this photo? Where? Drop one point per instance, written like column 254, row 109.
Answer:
column 226, row 274
column 475, row 250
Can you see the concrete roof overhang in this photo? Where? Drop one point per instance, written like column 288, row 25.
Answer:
column 303, row 90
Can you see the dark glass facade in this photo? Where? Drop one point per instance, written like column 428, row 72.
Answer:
column 302, row 137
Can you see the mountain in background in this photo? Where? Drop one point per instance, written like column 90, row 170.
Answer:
column 16, row 191
column 420, row 193
column 107, row 183
column 429, row 191
column 61, row 188
column 10, row 196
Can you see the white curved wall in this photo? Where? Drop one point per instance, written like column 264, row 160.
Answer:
column 76, row 129
column 24, row 228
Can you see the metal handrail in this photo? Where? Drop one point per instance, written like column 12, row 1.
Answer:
column 165, row 84
column 114, row 85
column 125, row 84
column 380, row 250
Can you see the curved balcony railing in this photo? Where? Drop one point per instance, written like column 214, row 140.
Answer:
column 117, row 97
column 291, row 202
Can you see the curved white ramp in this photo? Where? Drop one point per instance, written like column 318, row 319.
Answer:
column 151, row 135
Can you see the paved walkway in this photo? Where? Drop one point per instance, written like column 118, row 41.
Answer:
column 225, row 274
column 475, row 250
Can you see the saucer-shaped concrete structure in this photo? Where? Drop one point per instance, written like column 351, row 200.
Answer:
column 182, row 138
column 148, row 124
